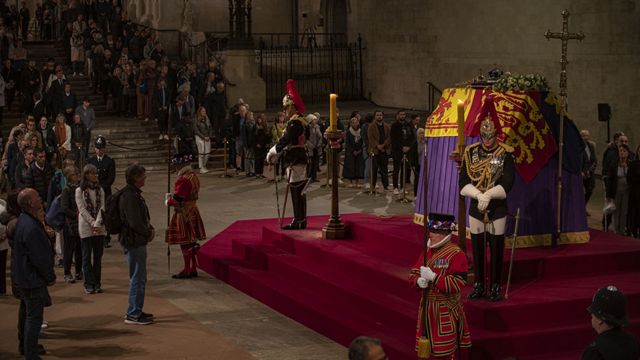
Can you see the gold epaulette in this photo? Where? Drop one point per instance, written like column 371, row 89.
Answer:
column 506, row 147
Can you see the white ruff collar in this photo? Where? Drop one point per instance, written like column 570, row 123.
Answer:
column 444, row 240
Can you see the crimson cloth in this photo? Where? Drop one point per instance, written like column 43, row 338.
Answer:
column 186, row 224
column 446, row 324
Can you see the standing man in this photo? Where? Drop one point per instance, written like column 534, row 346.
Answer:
column 106, row 171
column 380, row 145
column 136, row 233
column 608, row 317
column 48, row 136
column 161, row 102
column 403, row 142
column 589, row 163
column 32, row 267
column 88, row 117
column 30, row 86
column 40, row 174
column 295, row 159
column 78, row 137
column 69, row 103
column 486, row 176
column 443, row 277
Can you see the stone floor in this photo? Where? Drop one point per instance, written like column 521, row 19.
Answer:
column 246, row 323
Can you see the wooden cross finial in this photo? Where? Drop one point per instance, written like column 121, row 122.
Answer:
column 565, row 36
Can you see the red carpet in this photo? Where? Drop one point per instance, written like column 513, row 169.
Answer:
column 359, row 286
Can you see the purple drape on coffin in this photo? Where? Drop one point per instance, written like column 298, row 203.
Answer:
column 536, row 200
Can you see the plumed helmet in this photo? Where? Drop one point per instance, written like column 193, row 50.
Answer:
column 487, row 128
column 101, row 142
column 610, row 305
column 292, row 98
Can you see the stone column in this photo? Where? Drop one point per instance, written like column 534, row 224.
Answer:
column 241, row 69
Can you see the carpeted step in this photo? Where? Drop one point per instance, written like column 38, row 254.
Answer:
column 321, row 312
column 539, row 303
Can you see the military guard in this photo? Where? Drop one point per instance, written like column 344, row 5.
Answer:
column 186, row 227
column 445, row 323
column 293, row 144
column 486, row 177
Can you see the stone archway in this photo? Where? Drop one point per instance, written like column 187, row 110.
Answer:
column 335, row 15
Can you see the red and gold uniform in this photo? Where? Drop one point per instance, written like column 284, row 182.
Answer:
column 446, row 325
column 186, row 227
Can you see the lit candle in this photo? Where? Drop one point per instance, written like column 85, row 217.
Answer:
column 333, row 118
column 460, row 123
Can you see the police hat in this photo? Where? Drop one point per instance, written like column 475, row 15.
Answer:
column 101, row 142
column 610, row 305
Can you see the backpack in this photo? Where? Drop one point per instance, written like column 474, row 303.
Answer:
column 111, row 216
column 55, row 216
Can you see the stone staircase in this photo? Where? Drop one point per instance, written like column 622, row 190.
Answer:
column 130, row 140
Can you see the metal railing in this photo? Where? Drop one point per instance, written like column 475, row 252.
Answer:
column 317, row 69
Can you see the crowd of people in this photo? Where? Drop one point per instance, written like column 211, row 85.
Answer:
column 621, row 180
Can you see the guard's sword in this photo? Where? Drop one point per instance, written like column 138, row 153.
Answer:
column 513, row 250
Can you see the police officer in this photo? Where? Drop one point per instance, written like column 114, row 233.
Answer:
column 608, row 317
column 106, row 169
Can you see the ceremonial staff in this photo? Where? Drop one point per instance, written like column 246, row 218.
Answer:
column 166, row 232
column 565, row 36
column 424, row 343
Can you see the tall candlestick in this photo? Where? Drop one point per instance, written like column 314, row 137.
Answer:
column 460, row 123
column 333, row 118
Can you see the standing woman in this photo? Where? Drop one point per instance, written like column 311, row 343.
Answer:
column 617, row 188
column 202, row 130
column 353, row 159
column 261, row 144
column 633, row 179
column 186, row 227
column 90, row 202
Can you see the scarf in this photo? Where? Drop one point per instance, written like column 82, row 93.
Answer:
column 93, row 210
column 355, row 133
column 61, row 133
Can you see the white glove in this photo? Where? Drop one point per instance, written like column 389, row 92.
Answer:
column 427, row 273
column 483, row 202
column 496, row 192
column 167, row 196
column 470, row 191
column 422, row 282
column 272, row 155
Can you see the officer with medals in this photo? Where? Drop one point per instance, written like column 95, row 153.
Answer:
column 292, row 143
column 608, row 317
column 486, row 176
column 443, row 277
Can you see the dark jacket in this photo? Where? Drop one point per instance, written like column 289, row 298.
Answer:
column 39, row 179
column 21, row 173
column 49, row 140
column 614, row 344
column 106, row 170
column 135, row 216
column 70, row 209
column 32, row 256
column 78, row 134
column 589, row 160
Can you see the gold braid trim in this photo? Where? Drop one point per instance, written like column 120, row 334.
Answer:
column 480, row 172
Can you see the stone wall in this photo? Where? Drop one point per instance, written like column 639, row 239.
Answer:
column 450, row 42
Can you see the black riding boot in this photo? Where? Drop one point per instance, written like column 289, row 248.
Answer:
column 299, row 204
column 477, row 241
column 497, row 254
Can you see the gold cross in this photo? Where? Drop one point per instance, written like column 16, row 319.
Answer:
column 565, row 36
